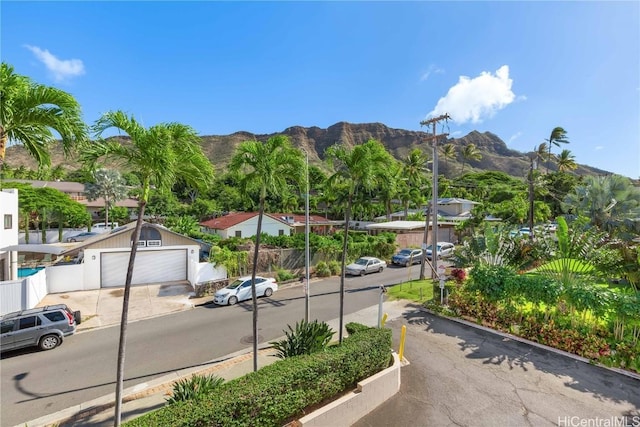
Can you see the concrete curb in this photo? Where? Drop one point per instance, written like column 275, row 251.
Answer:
column 533, row 344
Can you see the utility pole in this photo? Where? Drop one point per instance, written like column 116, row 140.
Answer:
column 434, row 204
column 532, row 168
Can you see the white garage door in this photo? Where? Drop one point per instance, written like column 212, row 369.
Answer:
column 150, row 267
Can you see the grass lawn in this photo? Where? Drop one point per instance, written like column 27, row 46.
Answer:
column 416, row 290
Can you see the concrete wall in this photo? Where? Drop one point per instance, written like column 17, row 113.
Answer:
column 371, row 392
column 22, row 294
column 65, row 278
column 8, row 236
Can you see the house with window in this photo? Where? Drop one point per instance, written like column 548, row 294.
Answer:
column 8, row 234
column 76, row 191
column 453, row 209
column 245, row 224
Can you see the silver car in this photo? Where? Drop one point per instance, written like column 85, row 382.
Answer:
column 445, row 249
column 365, row 265
column 44, row 327
column 240, row 290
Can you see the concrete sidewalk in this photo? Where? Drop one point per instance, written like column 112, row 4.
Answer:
column 151, row 396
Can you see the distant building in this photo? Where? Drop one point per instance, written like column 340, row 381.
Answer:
column 244, row 224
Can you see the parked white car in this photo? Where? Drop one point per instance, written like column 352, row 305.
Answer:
column 240, row 290
column 445, row 249
column 365, row 265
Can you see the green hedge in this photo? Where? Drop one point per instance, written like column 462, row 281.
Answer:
column 280, row 392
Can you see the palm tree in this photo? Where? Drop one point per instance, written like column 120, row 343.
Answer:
column 541, row 153
column 470, row 152
column 268, row 167
column 29, row 112
column 414, row 172
column 110, row 186
column 358, row 169
column 449, row 153
column 566, row 161
column 159, row 155
column 558, row 136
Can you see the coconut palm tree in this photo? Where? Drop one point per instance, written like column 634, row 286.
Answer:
column 541, row 153
column 414, row 175
column 30, row 112
column 357, row 169
column 110, row 186
column 566, row 161
column 268, row 167
column 449, row 153
column 558, row 136
column 470, row 152
column 159, row 155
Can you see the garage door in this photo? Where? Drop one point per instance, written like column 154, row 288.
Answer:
column 150, row 267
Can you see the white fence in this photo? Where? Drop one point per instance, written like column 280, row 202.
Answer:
column 23, row 294
column 65, row 278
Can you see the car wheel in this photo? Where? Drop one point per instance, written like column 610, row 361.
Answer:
column 77, row 317
column 233, row 300
column 380, row 269
column 363, row 272
column 268, row 292
column 49, row 342
column 72, row 240
column 406, row 264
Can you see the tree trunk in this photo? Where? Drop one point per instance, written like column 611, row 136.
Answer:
column 125, row 315
column 347, row 215
column 106, row 212
column 254, row 297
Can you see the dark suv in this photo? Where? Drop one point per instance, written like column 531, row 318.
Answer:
column 44, row 327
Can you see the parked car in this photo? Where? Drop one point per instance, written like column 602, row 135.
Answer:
column 524, row 231
column 365, row 265
column 81, row 237
column 101, row 227
column 44, row 327
column 240, row 290
column 407, row 256
column 445, row 249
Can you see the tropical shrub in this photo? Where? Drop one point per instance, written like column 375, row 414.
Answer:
column 283, row 275
column 334, row 267
column 195, row 387
column 279, row 393
column 322, row 269
column 306, row 338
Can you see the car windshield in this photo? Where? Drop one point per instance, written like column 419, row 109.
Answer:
column 235, row 284
column 429, row 247
column 405, row 252
column 362, row 261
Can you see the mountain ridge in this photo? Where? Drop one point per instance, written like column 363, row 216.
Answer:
column 315, row 140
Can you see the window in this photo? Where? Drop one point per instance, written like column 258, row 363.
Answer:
column 8, row 221
column 238, row 233
column 280, row 232
column 7, row 326
column 29, row 322
column 54, row 316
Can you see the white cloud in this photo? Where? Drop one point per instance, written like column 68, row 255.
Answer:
column 515, row 136
column 432, row 70
column 473, row 100
column 61, row 69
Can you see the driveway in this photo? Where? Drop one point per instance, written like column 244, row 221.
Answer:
column 459, row 375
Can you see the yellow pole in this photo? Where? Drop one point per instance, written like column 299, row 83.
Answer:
column 384, row 319
column 403, row 334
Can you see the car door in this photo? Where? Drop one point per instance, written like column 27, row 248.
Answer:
column 416, row 256
column 244, row 290
column 261, row 283
column 28, row 331
column 7, row 334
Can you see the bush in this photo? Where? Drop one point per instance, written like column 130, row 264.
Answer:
column 282, row 391
column 335, row 267
column 284, row 275
column 322, row 269
column 307, row 338
column 194, row 388
column 353, row 327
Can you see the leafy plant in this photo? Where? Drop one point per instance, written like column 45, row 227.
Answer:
column 334, row 267
column 322, row 269
column 284, row 275
column 306, row 338
column 195, row 387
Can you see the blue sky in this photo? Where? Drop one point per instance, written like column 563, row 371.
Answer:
column 516, row 69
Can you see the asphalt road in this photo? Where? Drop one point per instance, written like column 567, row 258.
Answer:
column 36, row 383
column 461, row 376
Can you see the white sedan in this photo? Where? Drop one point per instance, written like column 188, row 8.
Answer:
column 445, row 249
column 365, row 265
column 240, row 290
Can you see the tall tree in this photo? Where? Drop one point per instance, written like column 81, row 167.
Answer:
column 110, row 186
column 558, row 136
column 414, row 175
column 268, row 167
column 449, row 153
column 158, row 154
column 30, row 112
column 566, row 161
column 356, row 170
column 541, row 153
column 470, row 152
